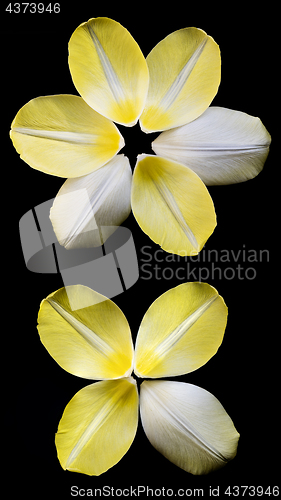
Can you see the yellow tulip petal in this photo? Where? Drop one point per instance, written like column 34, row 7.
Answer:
column 98, row 426
column 109, row 70
column 184, row 71
column 61, row 135
column 188, row 425
column 180, row 331
column 172, row 205
column 91, row 340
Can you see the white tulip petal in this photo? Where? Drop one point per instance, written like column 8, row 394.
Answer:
column 88, row 209
column 222, row 146
column 188, row 425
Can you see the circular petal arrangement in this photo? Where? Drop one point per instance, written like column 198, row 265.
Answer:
column 170, row 91
column 179, row 333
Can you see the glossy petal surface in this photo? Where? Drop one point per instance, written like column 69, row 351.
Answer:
column 98, row 426
column 172, row 205
column 93, row 341
column 109, row 70
column 222, row 146
column 184, row 71
column 61, row 135
column 188, row 425
column 87, row 210
column 180, row 331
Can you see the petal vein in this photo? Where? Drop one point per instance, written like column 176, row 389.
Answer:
column 95, row 202
column 56, row 135
column 181, row 330
column 91, row 337
column 92, row 429
column 112, row 78
column 182, row 77
column 174, row 208
column 187, row 428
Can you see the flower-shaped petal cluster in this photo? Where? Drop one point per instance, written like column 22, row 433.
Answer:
column 170, row 92
column 179, row 333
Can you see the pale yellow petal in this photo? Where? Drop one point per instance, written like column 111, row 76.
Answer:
column 184, row 71
column 180, row 331
column 109, row 70
column 98, row 426
column 172, row 205
column 61, row 135
column 188, row 425
column 92, row 340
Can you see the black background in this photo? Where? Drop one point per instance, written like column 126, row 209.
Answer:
column 243, row 374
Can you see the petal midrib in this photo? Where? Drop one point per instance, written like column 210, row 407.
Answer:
column 99, row 420
column 91, row 337
column 179, row 82
column 58, row 135
column 92, row 207
column 235, row 149
column 174, row 208
column 111, row 77
column 187, row 428
column 176, row 335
